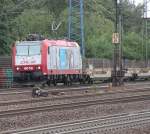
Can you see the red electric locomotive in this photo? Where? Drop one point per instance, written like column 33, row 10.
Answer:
column 52, row 61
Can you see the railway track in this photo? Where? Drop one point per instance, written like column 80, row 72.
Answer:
column 106, row 124
column 73, row 105
column 64, row 89
column 73, row 97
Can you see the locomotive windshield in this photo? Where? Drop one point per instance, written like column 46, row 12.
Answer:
column 23, row 49
column 34, row 50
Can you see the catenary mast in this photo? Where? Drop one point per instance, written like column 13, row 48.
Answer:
column 76, row 23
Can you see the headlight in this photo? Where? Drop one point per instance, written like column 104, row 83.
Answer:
column 39, row 67
column 17, row 68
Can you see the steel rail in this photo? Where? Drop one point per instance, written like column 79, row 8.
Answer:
column 73, row 105
column 72, row 87
column 63, row 89
column 36, row 100
column 58, row 89
column 110, row 128
column 87, row 126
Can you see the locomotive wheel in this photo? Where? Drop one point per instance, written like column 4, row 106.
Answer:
column 55, row 83
column 48, row 83
column 90, row 80
column 83, row 79
column 69, row 82
column 65, row 81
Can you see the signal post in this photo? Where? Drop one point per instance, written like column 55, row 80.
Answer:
column 117, row 71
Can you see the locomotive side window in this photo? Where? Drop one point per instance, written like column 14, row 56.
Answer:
column 63, row 57
column 21, row 50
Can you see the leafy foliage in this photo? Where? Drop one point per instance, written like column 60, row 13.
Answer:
column 21, row 17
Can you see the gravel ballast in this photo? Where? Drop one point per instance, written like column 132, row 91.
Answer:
column 29, row 120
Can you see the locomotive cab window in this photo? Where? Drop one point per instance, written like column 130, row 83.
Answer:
column 34, row 50
column 28, row 48
column 21, row 50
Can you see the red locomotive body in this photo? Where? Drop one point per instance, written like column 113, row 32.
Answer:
column 53, row 60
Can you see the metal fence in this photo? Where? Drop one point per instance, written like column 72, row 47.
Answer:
column 97, row 63
column 105, row 63
column 6, row 73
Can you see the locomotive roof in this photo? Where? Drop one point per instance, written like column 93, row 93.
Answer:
column 27, row 42
column 64, row 43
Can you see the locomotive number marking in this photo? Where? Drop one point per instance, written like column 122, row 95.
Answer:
column 28, row 68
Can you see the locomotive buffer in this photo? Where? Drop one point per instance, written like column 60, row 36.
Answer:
column 117, row 71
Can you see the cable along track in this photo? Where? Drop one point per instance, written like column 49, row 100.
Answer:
column 104, row 124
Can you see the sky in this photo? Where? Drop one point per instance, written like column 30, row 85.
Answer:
column 141, row 2
column 138, row 1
